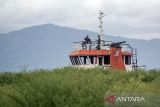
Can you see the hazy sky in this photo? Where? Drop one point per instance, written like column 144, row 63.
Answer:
column 129, row 18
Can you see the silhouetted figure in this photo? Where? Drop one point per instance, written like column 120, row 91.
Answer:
column 86, row 41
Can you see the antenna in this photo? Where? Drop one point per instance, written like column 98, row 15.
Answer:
column 101, row 15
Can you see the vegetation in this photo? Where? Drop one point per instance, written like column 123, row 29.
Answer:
column 71, row 87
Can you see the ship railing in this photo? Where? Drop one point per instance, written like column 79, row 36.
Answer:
column 125, row 49
column 84, row 46
column 81, row 45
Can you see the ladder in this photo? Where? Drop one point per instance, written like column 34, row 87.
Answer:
column 134, row 58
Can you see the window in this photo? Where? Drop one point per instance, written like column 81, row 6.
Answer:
column 85, row 60
column 91, row 59
column 106, row 60
column 76, row 60
column 127, row 60
column 72, row 60
column 100, row 60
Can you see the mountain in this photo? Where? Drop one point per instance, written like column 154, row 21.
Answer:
column 48, row 46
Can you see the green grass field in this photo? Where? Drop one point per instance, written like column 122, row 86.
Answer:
column 70, row 87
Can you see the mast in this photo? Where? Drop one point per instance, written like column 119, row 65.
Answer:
column 101, row 15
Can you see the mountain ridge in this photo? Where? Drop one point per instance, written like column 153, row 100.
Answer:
column 50, row 24
column 38, row 47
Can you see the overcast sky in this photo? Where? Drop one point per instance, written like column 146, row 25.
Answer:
column 128, row 18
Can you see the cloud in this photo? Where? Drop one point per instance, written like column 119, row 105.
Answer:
column 129, row 18
column 134, row 17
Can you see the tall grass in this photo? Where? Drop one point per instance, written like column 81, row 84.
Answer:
column 71, row 87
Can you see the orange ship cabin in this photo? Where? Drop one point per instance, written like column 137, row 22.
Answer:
column 109, row 55
column 90, row 57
